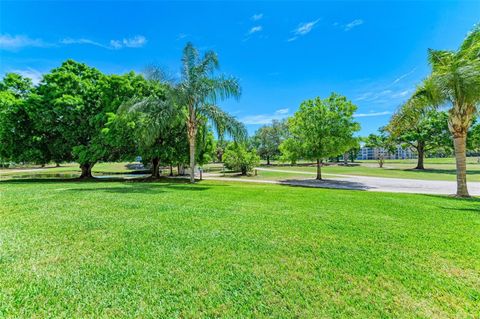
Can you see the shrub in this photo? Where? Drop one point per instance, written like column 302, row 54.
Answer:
column 238, row 158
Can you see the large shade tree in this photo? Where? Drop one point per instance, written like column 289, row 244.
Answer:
column 455, row 82
column 324, row 127
column 421, row 128
column 73, row 102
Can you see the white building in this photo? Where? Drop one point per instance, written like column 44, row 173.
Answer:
column 371, row 153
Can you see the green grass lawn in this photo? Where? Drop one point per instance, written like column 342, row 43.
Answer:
column 436, row 169
column 166, row 250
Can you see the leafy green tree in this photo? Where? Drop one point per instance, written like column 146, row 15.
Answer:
column 420, row 128
column 455, row 80
column 291, row 150
column 19, row 140
column 268, row 138
column 73, row 102
column 16, row 84
column 324, row 128
column 238, row 158
column 382, row 144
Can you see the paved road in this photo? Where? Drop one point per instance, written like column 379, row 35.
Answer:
column 367, row 183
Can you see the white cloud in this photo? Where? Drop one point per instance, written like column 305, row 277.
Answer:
column 302, row 29
column 17, row 42
column 353, row 24
column 34, row 75
column 372, row 114
column 305, row 28
column 8, row 42
column 279, row 114
column 135, row 42
column 257, row 16
column 255, row 29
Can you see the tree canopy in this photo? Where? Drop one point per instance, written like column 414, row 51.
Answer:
column 324, row 127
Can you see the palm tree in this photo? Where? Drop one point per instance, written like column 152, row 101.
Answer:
column 198, row 92
column 158, row 119
column 455, row 80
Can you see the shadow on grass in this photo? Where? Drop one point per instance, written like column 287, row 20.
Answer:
column 452, row 172
column 326, row 183
column 138, row 185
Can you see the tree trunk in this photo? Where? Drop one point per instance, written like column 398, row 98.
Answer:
column 345, row 158
column 57, row 164
column 171, row 170
column 192, row 160
column 86, row 170
column 192, row 133
column 459, row 143
column 156, row 167
column 319, row 169
column 178, row 169
column 421, row 155
column 244, row 170
column 268, row 160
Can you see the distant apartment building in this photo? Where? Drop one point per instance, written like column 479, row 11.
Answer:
column 371, row 153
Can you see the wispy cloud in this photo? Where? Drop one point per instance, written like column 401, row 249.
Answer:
column 303, row 29
column 257, row 16
column 372, row 114
column 279, row 114
column 401, row 77
column 68, row 41
column 8, row 42
column 34, row 75
column 353, row 24
column 255, row 29
column 182, row 36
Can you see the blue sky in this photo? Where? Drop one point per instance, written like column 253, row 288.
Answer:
column 282, row 52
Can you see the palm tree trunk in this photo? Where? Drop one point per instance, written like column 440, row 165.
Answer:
column 319, row 169
column 459, row 143
column 421, row 155
column 192, row 159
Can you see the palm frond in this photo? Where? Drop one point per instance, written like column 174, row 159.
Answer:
column 224, row 122
column 189, row 60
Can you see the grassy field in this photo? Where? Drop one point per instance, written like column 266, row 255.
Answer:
column 171, row 250
column 436, row 169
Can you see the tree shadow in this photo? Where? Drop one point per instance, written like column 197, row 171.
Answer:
column 325, row 183
column 138, row 185
column 452, row 172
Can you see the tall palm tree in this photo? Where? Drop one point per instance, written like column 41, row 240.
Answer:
column 198, row 92
column 455, row 81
